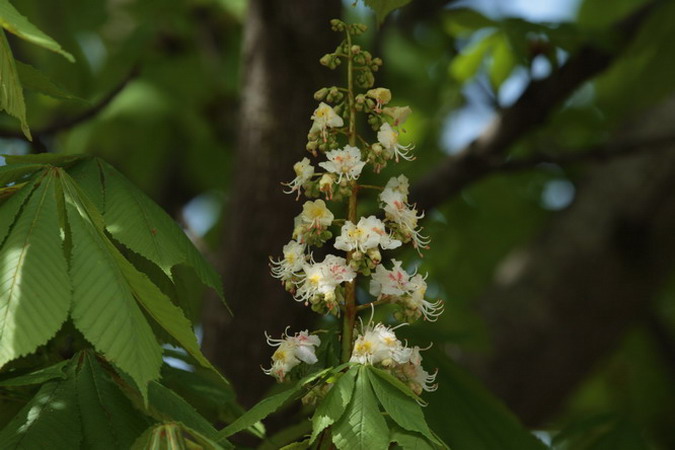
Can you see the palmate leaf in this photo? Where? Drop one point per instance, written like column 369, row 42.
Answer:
column 15, row 172
column 109, row 419
column 471, row 418
column 104, row 307
column 34, row 80
column 174, row 436
column 12, row 21
column 129, row 285
column 37, row 377
column 34, row 286
column 333, row 406
column 9, row 210
column 270, row 404
column 50, row 418
column 11, row 94
column 142, row 226
column 401, row 408
column 362, row 427
column 409, row 440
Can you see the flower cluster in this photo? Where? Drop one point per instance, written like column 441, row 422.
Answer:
column 291, row 351
column 378, row 345
column 339, row 159
column 407, row 291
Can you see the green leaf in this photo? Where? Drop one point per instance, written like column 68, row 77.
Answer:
column 624, row 435
column 52, row 159
column 261, row 410
column 464, row 21
column 88, row 177
column 165, row 404
column 173, row 436
column 34, row 80
column 409, row 440
column 362, row 427
column 138, row 223
column 159, row 307
column 466, row 64
column 213, row 398
column 34, row 285
column 13, row 173
column 383, row 7
column 12, row 21
column 503, row 62
column 11, row 94
column 401, row 408
column 268, row 405
column 37, row 377
column 398, row 384
column 472, row 419
column 333, row 406
column 109, row 419
column 9, row 210
column 50, row 417
column 104, row 307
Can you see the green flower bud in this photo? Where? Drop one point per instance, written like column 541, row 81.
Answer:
column 320, row 94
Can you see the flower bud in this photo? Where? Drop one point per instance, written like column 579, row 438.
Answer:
column 375, row 255
column 377, row 149
column 356, row 49
column 320, row 94
column 326, row 59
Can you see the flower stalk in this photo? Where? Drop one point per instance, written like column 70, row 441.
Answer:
column 329, row 286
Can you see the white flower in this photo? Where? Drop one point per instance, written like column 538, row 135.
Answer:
column 394, row 199
column 303, row 173
column 322, row 278
column 346, row 162
column 398, row 113
column 399, row 185
column 325, row 117
column 388, row 138
column 421, row 377
column 316, row 214
column 417, row 288
column 291, row 351
column 369, row 233
column 292, row 262
column 379, row 345
column 382, row 96
column 394, row 282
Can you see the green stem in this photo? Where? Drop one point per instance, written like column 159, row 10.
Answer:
column 350, row 289
column 372, row 304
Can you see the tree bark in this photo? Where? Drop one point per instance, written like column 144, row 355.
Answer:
column 283, row 42
column 563, row 302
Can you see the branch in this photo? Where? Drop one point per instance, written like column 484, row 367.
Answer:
column 531, row 110
column 596, row 153
column 70, row 122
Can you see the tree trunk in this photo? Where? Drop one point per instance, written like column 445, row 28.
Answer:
column 283, row 42
column 562, row 303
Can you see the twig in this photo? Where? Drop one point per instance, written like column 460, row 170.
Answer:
column 64, row 124
column 597, row 153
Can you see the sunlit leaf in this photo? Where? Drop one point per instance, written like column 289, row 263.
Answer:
column 11, row 94
column 34, row 286
column 12, row 21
